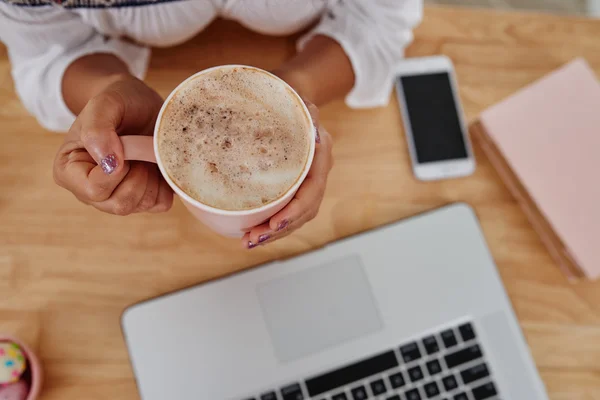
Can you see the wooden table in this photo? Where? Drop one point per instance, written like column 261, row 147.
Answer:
column 68, row 271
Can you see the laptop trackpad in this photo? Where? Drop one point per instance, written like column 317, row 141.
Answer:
column 312, row 310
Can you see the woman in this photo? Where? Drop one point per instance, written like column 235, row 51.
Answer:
column 78, row 65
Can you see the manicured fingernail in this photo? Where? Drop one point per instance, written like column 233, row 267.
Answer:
column 251, row 245
column 109, row 164
column 264, row 237
column 283, row 224
column 317, row 136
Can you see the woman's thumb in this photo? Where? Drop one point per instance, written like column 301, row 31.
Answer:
column 105, row 147
column 100, row 139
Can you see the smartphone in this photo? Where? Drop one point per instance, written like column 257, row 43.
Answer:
column 434, row 122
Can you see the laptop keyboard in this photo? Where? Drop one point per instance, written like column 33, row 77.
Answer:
column 448, row 365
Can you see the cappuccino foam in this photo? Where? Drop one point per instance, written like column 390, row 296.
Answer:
column 234, row 138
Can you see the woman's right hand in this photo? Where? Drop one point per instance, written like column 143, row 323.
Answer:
column 90, row 162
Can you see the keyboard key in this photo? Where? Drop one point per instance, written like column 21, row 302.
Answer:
column 484, row 391
column 461, row 396
column 474, row 373
column 351, row 373
column 449, row 383
column 410, row 352
column 413, row 395
column 339, row 396
column 463, row 356
column 431, row 389
column 467, row 332
column 359, row 393
column 434, row 367
column 394, row 397
column 378, row 387
column 292, row 392
column 431, row 345
column 397, row 380
column 415, row 374
column 449, row 339
column 269, row 396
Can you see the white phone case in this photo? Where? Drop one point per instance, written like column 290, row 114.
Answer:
column 440, row 169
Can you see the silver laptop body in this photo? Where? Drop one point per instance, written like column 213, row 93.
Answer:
column 414, row 310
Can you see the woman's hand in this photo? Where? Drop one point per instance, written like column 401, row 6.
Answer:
column 321, row 71
column 305, row 204
column 90, row 162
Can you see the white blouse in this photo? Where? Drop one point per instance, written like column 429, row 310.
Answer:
column 43, row 39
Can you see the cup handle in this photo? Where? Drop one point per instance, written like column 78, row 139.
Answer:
column 138, row 148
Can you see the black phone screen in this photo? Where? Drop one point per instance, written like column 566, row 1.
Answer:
column 433, row 117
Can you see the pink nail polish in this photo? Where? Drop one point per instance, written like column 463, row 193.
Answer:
column 264, row 237
column 109, row 164
column 251, row 245
column 283, row 224
column 317, row 136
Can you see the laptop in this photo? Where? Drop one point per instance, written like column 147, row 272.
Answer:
column 413, row 310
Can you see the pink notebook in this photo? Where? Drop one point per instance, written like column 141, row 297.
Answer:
column 548, row 134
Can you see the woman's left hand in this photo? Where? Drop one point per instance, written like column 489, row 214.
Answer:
column 305, row 204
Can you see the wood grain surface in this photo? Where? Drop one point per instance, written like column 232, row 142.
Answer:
column 67, row 271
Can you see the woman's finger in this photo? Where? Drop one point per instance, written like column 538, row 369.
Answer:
column 307, row 198
column 256, row 236
column 129, row 193
column 76, row 171
column 152, row 187
column 303, row 207
column 262, row 234
column 98, row 123
column 164, row 200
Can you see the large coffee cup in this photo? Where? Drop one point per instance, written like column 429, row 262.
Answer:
column 234, row 143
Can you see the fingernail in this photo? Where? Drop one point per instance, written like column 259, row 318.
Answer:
column 264, row 237
column 317, row 136
column 283, row 224
column 251, row 245
column 109, row 164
